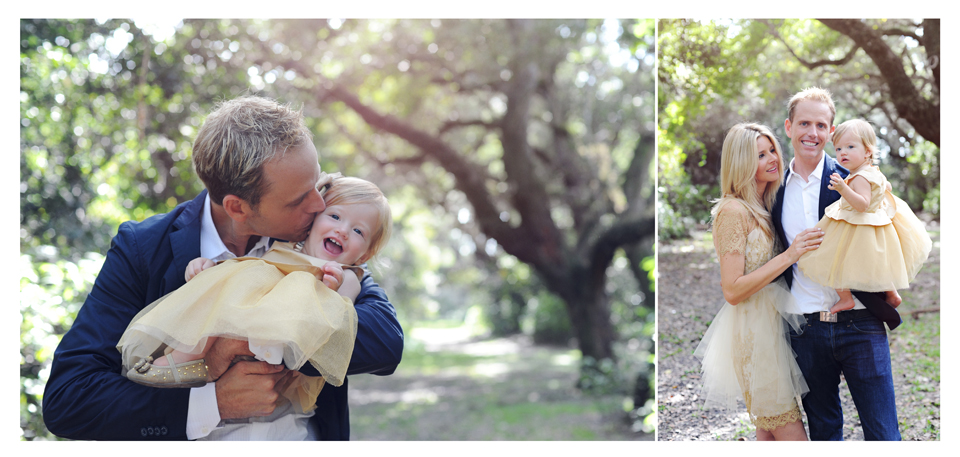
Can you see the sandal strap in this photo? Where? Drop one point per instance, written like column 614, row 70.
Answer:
column 173, row 368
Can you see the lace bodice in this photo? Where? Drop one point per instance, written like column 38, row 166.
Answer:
column 759, row 250
column 732, row 234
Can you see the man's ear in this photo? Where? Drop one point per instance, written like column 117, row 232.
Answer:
column 786, row 127
column 237, row 208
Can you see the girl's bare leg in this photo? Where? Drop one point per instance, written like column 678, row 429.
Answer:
column 893, row 298
column 180, row 357
column 845, row 303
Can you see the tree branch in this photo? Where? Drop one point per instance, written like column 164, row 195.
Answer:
column 923, row 114
column 530, row 199
column 450, row 125
column 902, row 32
column 638, row 173
column 626, row 230
column 471, row 179
column 931, row 42
column 814, row 64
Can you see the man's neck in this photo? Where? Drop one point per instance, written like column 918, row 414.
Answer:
column 234, row 238
column 803, row 168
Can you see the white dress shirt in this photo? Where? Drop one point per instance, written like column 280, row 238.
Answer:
column 203, row 415
column 801, row 210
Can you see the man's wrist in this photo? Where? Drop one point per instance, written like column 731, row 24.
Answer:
column 203, row 414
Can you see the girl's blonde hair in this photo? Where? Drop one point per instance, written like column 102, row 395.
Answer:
column 353, row 191
column 863, row 130
column 738, row 173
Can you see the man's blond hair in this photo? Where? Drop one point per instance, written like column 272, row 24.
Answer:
column 236, row 140
column 813, row 94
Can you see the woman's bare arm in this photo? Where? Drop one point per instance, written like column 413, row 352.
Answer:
column 731, row 227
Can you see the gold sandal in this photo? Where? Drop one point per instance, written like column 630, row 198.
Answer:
column 186, row 374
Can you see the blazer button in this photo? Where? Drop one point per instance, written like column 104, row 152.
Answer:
column 150, row 431
column 143, row 431
column 163, row 430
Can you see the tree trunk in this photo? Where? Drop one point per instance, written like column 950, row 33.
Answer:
column 588, row 308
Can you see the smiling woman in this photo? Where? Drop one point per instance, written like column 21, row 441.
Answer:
column 769, row 164
column 745, row 353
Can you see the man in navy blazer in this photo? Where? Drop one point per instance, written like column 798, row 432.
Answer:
column 856, row 343
column 263, row 181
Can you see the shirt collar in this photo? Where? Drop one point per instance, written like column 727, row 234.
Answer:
column 815, row 174
column 211, row 246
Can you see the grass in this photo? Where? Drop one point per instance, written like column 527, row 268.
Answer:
column 483, row 390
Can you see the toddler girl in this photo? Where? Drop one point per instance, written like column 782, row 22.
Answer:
column 278, row 303
column 872, row 241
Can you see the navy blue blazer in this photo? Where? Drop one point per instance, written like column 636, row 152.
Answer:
column 873, row 301
column 86, row 396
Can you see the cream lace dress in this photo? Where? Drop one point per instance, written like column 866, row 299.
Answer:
column 274, row 301
column 745, row 353
column 879, row 249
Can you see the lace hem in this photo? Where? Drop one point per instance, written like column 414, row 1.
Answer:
column 774, row 422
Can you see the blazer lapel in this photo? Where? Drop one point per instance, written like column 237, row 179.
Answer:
column 827, row 196
column 185, row 241
column 776, row 214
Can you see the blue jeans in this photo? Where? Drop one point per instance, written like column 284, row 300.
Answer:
column 855, row 345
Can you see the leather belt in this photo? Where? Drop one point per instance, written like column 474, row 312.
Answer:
column 842, row 316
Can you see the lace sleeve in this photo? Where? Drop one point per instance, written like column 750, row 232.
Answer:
column 730, row 231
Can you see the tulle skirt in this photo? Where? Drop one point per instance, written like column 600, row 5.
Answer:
column 867, row 257
column 746, row 355
column 265, row 303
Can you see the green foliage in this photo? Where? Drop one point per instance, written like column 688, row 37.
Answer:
column 547, row 320
column 510, row 295
column 601, row 377
column 52, row 289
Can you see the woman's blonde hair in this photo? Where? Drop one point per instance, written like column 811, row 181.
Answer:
column 354, row 191
column 863, row 130
column 738, row 173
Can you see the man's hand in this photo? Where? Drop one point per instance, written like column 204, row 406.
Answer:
column 221, row 354
column 251, row 389
column 332, row 275
column 196, row 266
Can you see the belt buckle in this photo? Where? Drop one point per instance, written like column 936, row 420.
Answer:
column 827, row 316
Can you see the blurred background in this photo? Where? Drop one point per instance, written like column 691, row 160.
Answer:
column 715, row 74
column 517, row 156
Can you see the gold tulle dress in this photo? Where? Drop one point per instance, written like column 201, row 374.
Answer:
column 275, row 300
column 745, row 353
column 877, row 250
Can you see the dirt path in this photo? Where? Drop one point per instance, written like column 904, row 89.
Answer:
column 450, row 387
column 690, row 296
